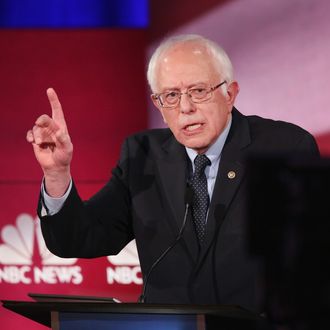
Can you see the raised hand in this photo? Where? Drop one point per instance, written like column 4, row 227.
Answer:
column 52, row 147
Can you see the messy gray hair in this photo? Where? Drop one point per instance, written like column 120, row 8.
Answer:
column 221, row 59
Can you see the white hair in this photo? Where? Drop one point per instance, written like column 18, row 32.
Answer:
column 221, row 59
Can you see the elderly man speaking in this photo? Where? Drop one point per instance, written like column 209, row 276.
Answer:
column 203, row 150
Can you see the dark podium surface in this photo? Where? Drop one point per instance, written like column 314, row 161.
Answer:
column 69, row 312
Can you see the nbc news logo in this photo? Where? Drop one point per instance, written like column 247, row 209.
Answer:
column 24, row 257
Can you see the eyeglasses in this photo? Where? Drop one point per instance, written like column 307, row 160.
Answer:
column 171, row 99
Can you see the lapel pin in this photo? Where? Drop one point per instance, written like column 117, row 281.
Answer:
column 231, row 175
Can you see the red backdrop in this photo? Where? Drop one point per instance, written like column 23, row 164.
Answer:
column 99, row 77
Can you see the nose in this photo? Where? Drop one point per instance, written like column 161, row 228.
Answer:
column 186, row 105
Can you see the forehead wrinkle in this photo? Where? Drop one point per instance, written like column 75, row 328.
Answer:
column 191, row 85
column 197, row 51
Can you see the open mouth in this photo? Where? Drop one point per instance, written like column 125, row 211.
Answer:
column 192, row 127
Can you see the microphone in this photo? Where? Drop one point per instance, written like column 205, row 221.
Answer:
column 188, row 198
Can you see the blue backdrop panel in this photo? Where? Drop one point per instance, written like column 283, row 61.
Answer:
column 102, row 321
column 73, row 13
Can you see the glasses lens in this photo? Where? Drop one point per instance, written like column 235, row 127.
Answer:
column 199, row 94
column 172, row 97
column 169, row 99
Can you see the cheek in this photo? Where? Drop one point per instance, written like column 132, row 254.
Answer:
column 218, row 122
column 163, row 114
column 170, row 119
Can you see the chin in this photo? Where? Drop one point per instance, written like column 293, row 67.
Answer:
column 195, row 143
column 200, row 148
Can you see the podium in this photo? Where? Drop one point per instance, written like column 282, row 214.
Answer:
column 89, row 314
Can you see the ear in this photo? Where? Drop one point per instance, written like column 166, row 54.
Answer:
column 232, row 91
column 160, row 109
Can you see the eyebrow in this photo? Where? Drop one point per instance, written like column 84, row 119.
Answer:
column 199, row 83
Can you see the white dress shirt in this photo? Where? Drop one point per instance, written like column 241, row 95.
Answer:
column 214, row 155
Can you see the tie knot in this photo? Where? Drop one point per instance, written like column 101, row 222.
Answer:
column 201, row 161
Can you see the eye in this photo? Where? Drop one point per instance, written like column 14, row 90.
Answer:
column 171, row 96
column 198, row 92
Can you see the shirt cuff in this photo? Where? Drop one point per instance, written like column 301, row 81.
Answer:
column 52, row 205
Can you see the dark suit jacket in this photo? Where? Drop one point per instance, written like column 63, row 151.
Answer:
column 144, row 200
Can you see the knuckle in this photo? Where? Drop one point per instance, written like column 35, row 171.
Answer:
column 43, row 120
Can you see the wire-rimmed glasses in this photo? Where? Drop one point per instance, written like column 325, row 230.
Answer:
column 171, row 98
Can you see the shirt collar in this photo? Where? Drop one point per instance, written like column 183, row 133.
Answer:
column 214, row 151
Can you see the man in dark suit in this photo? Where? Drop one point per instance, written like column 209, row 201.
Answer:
column 193, row 88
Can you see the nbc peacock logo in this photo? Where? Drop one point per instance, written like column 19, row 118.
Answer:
column 126, row 267
column 24, row 257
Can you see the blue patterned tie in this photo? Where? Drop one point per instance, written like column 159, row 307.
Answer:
column 201, row 197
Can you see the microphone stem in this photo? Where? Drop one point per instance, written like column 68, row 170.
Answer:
column 145, row 281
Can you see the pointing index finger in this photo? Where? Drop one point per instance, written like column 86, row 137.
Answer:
column 57, row 112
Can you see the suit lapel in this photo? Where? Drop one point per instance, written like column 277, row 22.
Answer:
column 230, row 175
column 173, row 177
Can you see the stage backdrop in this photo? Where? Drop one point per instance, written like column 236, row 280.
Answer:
column 99, row 77
column 280, row 51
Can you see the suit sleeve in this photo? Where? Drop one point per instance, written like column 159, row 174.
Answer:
column 97, row 227
column 307, row 146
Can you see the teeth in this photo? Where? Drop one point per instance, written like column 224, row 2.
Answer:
column 193, row 127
